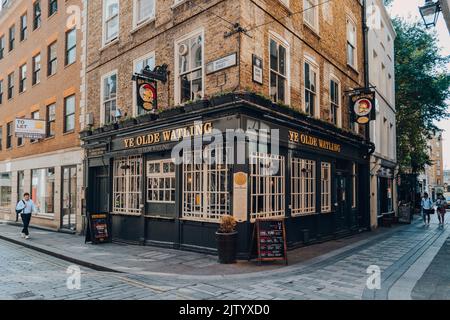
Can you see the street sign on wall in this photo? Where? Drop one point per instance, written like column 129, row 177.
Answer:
column 30, row 128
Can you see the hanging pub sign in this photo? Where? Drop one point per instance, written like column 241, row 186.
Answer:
column 362, row 105
column 146, row 94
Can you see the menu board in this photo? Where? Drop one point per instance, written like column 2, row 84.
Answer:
column 404, row 213
column 270, row 236
column 98, row 229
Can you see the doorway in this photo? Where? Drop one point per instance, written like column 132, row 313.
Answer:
column 342, row 202
column 69, row 198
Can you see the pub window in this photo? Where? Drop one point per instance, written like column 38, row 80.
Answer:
column 326, row 186
column 37, row 14
column 71, row 46
column 189, row 77
column 36, row 69
column 311, row 13
column 311, row 103
column 1, row 91
column 52, row 7
column 12, row 37
column 109, row 97
column 335, row 102
column 110, row 20
column 139, row 65
column 43, row 190
column 161, row 181
column 10, row 85
column 22, row 78
column 51, row 119
column 2, row 47
column 278, row 71
column 303, row 186
column 36, row 116
column 23, row 27
column 354, row 186
column 206, row 191
column 9, row 134
column 267, row 185
column 144, row 10
column 127, row 175
column 5, row 190
column 69, row 114
column 351, row 43
column 52, row 59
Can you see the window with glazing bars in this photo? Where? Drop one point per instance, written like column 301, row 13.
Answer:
column 326, row 186
column 267, row 185
column 303, row 186
column 127, row 175
column 205, row 185
column 161, row 181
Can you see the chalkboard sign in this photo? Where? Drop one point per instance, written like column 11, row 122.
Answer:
column 99, row 228
column 270, row 237
column 404, row 213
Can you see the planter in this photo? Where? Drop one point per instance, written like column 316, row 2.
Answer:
column 223, row 99
column 227, row 247
column 97, row 131
column 127, row 123
column 110, row 127
column 197, row 105
column 84, row 134
column 256, row 99
column 168, row 113
column 147, row 117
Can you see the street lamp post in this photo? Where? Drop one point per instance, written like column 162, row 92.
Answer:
column 430, row 13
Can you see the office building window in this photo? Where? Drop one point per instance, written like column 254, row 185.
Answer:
column 9, row 135
column 69, row 114
column 1, row 138
column 51, row 120
column 22, row 78
column 12, row 37
column 2, row 47
column 37, row 69
column 10, row 85
column 23, row 27
column 36, row 14
column 71, row 46
column 52, row 7
column 1, row 91
column 52, row 59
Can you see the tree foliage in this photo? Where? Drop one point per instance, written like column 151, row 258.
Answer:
column 422, row 92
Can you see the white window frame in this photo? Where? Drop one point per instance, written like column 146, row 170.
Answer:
column 135, row 62
column 161, row 176
column 102, row 96
column 207, row 207
column 271, row 187
column 105, row 21
column 353, row 64
column 281, row 42
column 138, row 23
column 325, row 187
column 128, row 187
column 195, row 33
column 339, row 95
column 354, row 186
column 314, row 67
column 303, row 187
column 314, row 25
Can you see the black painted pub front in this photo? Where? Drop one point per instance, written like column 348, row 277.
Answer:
column 321, row 187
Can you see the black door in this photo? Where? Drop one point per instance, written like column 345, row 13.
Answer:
column 342, row 203
column 100, row 192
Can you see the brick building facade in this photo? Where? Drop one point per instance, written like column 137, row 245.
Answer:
column 40, row 78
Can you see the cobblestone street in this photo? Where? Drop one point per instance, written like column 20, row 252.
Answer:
column 409, row 259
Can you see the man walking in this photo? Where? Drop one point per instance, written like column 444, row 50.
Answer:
column 26, row 208
column 427, row 209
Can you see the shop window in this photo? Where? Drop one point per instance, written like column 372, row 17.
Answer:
column 189, row 72
column 311, row 103
column 278, row 71
column 144, row 10
column 206, row 191
column 303, row 186
column 43, row 190
column 37, row 14
column 109, row 97
column 161, row 181
column 36, row 69
column 267, row 185
column 326, row 186
column 110, row 20
column 354, row 186
column 127, row 185
column 5, row 191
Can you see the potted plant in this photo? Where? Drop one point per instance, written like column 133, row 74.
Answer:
column 222, row 98
column 191, row 106
column 85, row 133
column 170, row 112
column 227, row 240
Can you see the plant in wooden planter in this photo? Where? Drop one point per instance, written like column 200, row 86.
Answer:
column 85, row 133
column 110, row 127
column 147, row 117
column 227, row 240
column 97, row 130
column 222, row 98
column 256, row 98
column 170, row 112
column 191, row 106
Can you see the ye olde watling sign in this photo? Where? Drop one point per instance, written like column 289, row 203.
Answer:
column 362, row 105
column 147, row 96
column 305, row 139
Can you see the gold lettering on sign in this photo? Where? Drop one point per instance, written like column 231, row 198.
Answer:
column 308, row 140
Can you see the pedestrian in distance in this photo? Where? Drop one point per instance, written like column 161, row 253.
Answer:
column 26, row 208
column 427, row 209
column 441, row 205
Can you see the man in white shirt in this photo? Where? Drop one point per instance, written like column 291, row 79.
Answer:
column 26, row 207
column 427, row 209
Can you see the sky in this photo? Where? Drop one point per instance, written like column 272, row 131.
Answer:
column 409, row 9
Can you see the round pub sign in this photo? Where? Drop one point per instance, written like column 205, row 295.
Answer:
column 363, row 108
column 147, row 93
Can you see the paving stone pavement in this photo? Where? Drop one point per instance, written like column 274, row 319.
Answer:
column 27, row 274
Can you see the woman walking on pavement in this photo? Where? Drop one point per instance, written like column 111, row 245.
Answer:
column 427, row 209
column 26, row 208
column 441, row 205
